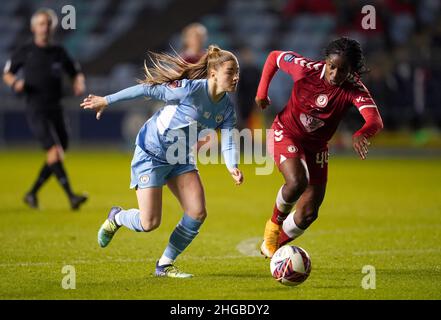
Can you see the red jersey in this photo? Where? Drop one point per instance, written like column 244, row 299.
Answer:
column 316, row 107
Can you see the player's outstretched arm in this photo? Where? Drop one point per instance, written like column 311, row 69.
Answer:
column 98, row 103
column 269, row 69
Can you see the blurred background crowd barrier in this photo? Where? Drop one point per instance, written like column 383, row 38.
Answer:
column 112, row 38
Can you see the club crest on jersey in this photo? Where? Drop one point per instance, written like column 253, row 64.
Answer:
column 175, row 84
column 321, row 101
column 144, row 178
column 292, row 149
column 219, row 118
column 289, row 57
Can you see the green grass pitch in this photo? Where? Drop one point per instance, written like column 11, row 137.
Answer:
column 383, row 212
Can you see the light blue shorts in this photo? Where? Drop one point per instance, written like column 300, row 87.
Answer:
column 148, row 172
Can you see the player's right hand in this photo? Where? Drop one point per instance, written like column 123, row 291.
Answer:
column 237, row 176
column 262, row 103
column 96, row 103
column 360, row 145
column 19, row 86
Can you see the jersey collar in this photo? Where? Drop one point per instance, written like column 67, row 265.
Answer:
column 323, row 71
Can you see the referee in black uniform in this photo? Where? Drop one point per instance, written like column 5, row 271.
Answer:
column 43, row 64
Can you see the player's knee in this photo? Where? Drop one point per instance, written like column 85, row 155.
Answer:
column 54, row 154
column 150, row 224
column 295, row 186
column 60, row 153
column 52, row 157
column 198, row 214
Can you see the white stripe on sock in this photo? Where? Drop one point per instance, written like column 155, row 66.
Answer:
column 281, row 204
column 290, row 227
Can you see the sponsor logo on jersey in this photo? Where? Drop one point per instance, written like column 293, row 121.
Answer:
column 310, row 123
column 292, row 149
column 362, row 99
column 219, row 118
column 144, row 178
column 321, row 101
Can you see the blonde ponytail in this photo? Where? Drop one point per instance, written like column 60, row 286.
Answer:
column 167, row 68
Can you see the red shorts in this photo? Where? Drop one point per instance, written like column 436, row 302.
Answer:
column 282, row 145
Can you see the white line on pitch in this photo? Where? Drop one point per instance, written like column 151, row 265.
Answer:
column 249, row 247
column 110, row 260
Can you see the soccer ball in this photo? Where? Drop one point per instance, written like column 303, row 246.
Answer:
column 290, row 265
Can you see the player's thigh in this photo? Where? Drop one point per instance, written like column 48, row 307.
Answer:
column 148, row 178
column 150, row 206
column 295, row 170
column 59, row 129
column 40, row 125
column 188, row 189
column 289, row 157
column 55, row 154
column 317, row 162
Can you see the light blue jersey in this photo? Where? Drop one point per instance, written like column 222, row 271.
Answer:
column 188, row 111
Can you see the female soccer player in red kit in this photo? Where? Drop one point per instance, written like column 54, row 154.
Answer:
column 323, row 91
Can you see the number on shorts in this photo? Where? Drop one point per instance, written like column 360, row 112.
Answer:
column 321, row 158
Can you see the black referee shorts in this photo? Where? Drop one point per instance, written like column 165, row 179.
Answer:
column 48, row 126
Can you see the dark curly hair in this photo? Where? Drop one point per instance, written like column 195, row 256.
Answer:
column 351, row 50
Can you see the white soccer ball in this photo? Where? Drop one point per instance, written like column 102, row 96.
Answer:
column 290, row 265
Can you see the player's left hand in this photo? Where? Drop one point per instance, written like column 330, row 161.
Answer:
column 237, row 176
column 360, row 145
column 96, row 103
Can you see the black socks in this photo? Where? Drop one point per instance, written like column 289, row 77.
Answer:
column 45, row 173
column 58, row 169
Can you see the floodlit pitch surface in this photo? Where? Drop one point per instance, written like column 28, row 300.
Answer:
column 382, row 212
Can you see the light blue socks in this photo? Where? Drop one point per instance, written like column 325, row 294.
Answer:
column 184, row 233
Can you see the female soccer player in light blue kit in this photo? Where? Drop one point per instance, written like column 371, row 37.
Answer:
column 196, row 97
